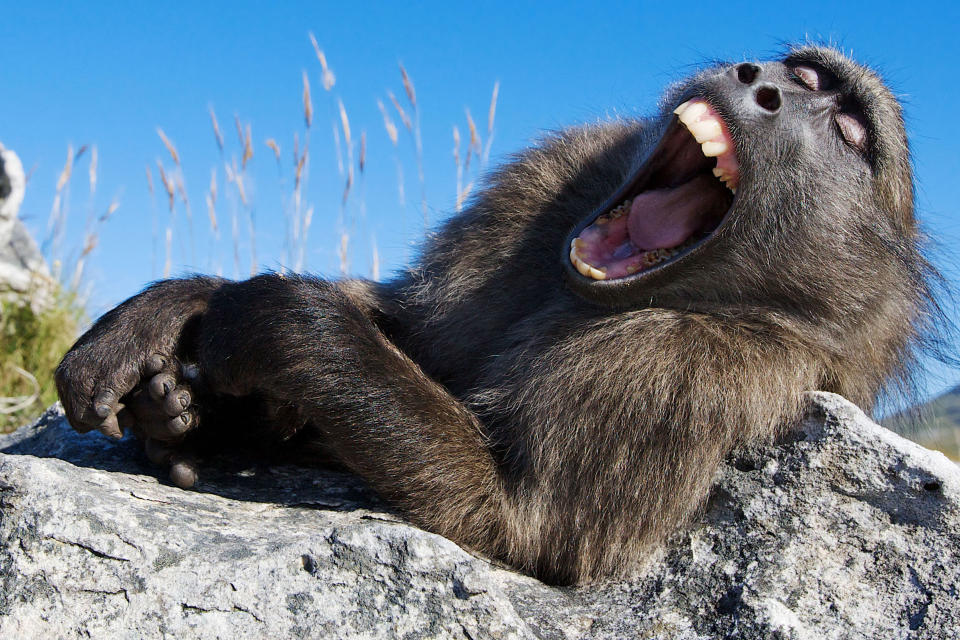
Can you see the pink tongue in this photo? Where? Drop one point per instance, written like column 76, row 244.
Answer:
column 665, row 218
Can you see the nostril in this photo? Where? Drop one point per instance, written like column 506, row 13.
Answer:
column 768, row 97
column 747, row 72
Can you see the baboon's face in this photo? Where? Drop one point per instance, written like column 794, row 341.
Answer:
column 756, row 162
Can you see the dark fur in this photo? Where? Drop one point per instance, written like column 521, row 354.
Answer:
column 498, row 408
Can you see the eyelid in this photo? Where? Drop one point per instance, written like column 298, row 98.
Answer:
column 853, row 128
column 810, row 77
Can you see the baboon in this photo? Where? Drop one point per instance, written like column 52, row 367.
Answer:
column 557, row 378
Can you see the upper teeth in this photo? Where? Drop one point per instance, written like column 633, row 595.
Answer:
column 707, row 129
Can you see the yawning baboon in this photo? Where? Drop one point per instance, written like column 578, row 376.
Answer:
column 556, row 380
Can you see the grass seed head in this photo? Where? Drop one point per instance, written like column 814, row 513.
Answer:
column 493, row 107
column 167, row 185
column 172, row 150
column 388, row 123
column 408, row 87
column 67, row 170
column 403, row 114
column 345, row 122
column 474, row 136
column 93, row 170
column 363, row 150
column 247, row 147
column 307, row 102
column 216, row 129
column 106, row 215
column 274, row 147
column 327, row 79
column 146, row 169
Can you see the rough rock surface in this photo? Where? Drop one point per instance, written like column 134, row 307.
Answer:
column 22, row 267
column 842, row 530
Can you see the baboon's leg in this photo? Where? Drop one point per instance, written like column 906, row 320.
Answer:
column 302, row 342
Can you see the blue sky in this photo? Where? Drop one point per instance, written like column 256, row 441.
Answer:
column 110, row 73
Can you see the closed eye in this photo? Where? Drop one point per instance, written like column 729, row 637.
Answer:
column 813, row 78
column 853, row 128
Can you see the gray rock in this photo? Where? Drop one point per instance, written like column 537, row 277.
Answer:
column 23, row 271
column 841, row 530
column 12, row 186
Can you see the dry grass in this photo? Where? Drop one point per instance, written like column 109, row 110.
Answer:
column 238, row 189
column 237, row 193
column 170, row 189
column 171, row 149
column 307, row 102
column 491, row 116
column 212, row 202
column 272, row 144
column 217, row 134
column 326, row 75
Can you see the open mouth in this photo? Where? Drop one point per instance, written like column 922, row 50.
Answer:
column 674, row 203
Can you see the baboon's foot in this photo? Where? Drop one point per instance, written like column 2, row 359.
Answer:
column 162, row 411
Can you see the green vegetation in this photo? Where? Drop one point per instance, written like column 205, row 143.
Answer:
column 938, row 426
column 31, row 345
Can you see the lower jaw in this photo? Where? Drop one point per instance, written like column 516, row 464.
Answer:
column 604, row 250
column 636, row 262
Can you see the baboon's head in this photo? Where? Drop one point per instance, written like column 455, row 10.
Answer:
column 786, row 182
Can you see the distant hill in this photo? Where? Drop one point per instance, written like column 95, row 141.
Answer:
column 939, row 425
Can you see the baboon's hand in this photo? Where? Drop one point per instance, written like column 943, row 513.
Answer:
column 152, row 396
column 127, row 371
column 95, row 375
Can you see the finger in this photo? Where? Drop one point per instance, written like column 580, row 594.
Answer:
column 177, row 401
column 184, row 471
column 154, row 364
column 105, row 403
column 172, row 429
column 160, row 385
column 158, row 452
column 110, row 427
column 179, row 425
column 145, row 409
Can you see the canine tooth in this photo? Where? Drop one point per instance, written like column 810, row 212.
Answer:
column 704, row 130
column 693, row 112
column 580, row 265
column 585, row 269
column 713, row 149
column 681, row 108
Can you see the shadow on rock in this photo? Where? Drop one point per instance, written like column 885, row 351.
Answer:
column 236, row 476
